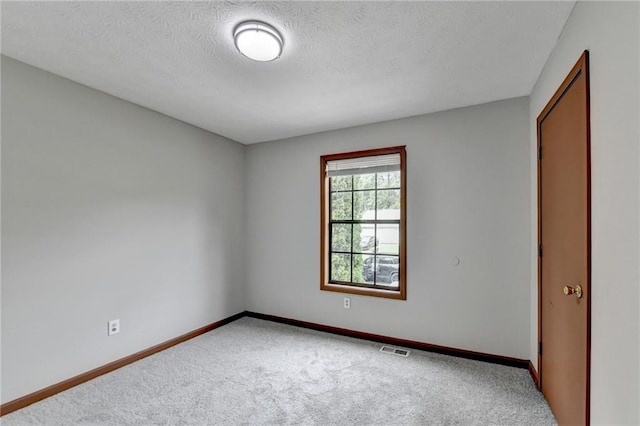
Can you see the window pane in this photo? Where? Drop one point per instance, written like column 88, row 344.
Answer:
column 367, row 268
column 364, row 181
column 340, row 183
column 388, row 238
column 341, row 237
column 363, row 238
column 357, row 238
column 341, row 267
column 364, row 204
column 387, row 271
column 389, row 180
column 341, row 206
column 388, row 204
column 359, row 269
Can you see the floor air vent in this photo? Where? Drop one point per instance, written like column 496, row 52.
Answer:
column 390, row 350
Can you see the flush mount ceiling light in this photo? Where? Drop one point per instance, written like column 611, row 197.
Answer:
column 258, row 41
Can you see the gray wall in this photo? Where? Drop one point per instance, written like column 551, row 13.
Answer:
column 467, row 197
column 610, row 31
column 109, row 210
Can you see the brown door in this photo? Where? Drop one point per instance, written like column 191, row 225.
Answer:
column 564, row 238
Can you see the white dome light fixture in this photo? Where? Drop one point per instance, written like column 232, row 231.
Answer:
column 258, row 41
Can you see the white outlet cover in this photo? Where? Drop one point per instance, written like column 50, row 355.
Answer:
column 114, row 327
column 347, row 303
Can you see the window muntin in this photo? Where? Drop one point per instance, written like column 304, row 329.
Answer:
column 363, row 222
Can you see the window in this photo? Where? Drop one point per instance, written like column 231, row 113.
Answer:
column 363, row 219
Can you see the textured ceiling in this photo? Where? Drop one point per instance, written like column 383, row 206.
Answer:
column 344, row 63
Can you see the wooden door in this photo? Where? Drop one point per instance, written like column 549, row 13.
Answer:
column 564, row 238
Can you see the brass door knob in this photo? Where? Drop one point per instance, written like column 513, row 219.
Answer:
column 568, row 290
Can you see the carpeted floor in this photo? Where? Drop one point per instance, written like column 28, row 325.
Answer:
column 258, row 372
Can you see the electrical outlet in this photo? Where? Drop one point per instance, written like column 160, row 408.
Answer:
column 347, row 303
column 114, row 327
